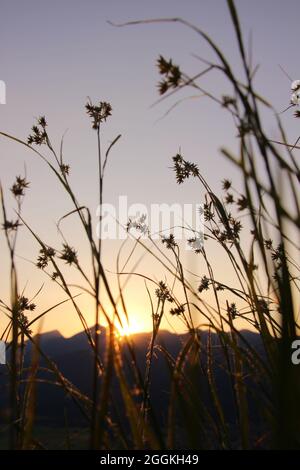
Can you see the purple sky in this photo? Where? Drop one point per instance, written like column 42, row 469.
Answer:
column 55, row 54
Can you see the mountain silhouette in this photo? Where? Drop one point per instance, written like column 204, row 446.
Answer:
column 75, row 360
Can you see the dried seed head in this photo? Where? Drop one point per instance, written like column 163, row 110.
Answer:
column 19, row 186
column 98, row 113
column 295, row 86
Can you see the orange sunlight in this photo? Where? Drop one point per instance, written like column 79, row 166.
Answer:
column 130, row 327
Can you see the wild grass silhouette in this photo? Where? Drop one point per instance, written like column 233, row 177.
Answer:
column 257, row 231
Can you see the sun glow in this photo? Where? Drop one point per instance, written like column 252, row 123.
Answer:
column 129, row 328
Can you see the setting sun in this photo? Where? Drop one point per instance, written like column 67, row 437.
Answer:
column 130, row 327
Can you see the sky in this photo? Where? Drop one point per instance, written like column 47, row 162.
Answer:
column 53, row 55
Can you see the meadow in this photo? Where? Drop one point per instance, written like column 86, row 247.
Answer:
column 224, row 387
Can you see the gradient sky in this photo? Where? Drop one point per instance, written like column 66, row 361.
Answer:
column 55, row 54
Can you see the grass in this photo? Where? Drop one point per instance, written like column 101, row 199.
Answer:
column 257, row 232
